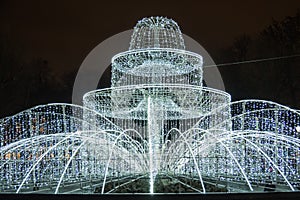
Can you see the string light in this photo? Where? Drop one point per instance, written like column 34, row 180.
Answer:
column 156, row 121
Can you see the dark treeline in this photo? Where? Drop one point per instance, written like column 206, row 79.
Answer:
column 24, row 84
column 277, row 80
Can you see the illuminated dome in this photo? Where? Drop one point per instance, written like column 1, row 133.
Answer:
column 156, row 130
column 156, row 32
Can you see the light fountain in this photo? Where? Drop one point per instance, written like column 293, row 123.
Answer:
column 156, row 130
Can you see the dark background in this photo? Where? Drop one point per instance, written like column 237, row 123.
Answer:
column 43, row 43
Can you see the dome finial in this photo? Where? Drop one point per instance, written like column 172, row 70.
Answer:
column 156, row 32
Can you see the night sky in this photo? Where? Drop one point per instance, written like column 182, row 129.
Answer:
column 64, row 32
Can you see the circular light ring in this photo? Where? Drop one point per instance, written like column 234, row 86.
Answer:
column 177, row 101
column 141, row 62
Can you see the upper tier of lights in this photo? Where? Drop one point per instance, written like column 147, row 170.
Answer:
column 156, row 56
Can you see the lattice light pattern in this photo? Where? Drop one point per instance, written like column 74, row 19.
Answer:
column 157, row 129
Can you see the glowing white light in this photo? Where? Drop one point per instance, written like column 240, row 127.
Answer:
column 156, row 122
